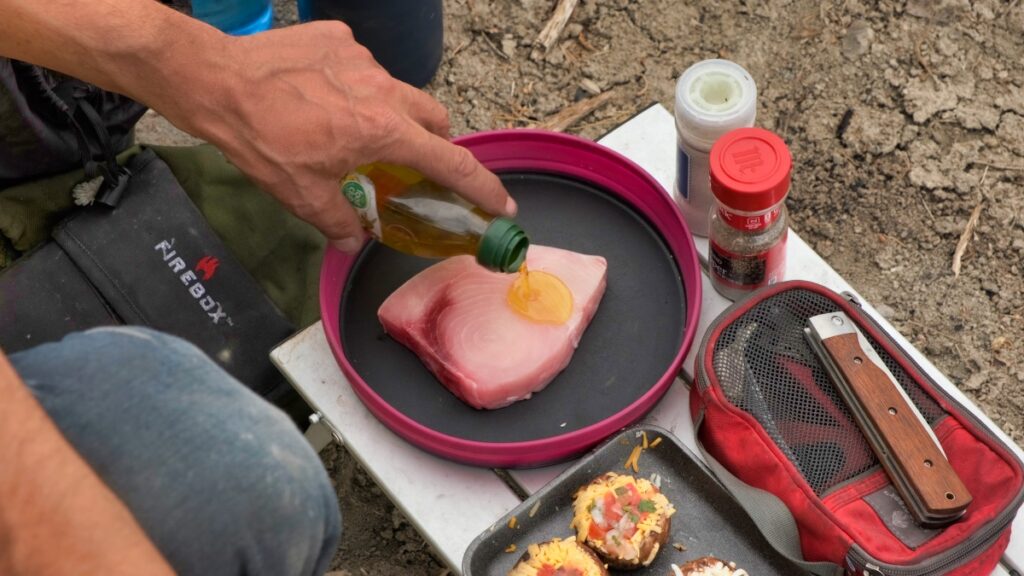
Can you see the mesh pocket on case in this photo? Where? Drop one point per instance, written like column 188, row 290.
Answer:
column 766, row 367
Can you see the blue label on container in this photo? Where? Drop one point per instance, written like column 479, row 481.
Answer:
column 682, row 172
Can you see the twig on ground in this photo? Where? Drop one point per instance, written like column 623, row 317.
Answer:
column 924, row 65
column 928, row 210
column 553, row 29
column 493, row 47
column 576, row 112
column 461, row 47
column 999, row 166
column 965, row 237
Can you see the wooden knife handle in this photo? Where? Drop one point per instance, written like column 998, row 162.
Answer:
column 929, row 475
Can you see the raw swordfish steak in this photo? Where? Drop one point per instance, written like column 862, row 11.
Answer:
column 456, row 318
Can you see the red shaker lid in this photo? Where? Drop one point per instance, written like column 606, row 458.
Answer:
column 750, row 169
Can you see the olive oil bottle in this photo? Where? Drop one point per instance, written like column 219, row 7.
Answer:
column 405, row 211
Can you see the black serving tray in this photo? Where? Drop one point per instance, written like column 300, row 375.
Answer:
column 708, row 521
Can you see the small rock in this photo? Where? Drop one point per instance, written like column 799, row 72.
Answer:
column 1000, row 343
column 857, row 40
column 990, row 287
column 590, row 86
column 508, row 46
column 886, row 311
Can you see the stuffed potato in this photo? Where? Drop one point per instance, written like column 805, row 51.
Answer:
column 559, row 558
column 625, row 520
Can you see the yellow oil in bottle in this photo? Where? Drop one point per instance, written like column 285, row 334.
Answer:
column 540, row 296
column 411, row 214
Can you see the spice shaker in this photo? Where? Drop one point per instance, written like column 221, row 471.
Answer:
column 750, row 175
column 712, row 97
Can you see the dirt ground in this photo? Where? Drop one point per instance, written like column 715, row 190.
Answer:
column 905, row 118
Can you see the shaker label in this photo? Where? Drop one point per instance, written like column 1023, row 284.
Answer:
column 682, row 172
column 748, row 271
column 748, row 223
column 362, row 195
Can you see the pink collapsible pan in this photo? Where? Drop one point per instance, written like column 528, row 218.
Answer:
column 573, row 194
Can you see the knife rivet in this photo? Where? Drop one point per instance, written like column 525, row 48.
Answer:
column 892, row 411
column 837, row 320
column 858, row 360
column 950, row 496
column 927, row 463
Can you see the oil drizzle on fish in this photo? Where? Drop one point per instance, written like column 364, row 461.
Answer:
column 540, row 296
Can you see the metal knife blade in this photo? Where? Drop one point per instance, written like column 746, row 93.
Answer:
column 904, row 443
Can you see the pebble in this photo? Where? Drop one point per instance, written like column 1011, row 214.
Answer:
column 886, row 311
column 858, row 39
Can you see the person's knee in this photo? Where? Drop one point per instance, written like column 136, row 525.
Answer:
column 214, row 474
column 290, row 511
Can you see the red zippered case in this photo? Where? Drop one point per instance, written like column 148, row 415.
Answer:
column 777, row 433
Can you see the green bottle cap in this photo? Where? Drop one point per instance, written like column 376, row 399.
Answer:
column 503, row 247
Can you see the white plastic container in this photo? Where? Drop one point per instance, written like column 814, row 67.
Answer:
column 713, row 97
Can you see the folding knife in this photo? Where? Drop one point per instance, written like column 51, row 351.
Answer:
column 904, row 443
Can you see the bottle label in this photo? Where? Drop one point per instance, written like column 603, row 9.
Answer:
column 748, row 271
column 682, row 172
column 749, row 223
column 362, row 195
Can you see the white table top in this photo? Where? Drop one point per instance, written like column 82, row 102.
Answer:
column 451, row 504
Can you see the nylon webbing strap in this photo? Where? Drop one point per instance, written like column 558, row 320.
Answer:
column 771, row 516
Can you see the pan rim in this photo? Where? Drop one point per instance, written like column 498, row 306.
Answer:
column 570, row 156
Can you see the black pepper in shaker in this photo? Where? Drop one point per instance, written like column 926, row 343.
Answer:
column 750, row 174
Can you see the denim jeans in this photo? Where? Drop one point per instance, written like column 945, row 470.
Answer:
column 220, row 480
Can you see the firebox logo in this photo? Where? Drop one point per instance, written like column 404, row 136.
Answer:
column 208, row 266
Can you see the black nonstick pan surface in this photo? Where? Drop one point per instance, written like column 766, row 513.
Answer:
column 627, row 358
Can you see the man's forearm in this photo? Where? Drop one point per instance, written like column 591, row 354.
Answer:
column 139, row 48
column 56, row 515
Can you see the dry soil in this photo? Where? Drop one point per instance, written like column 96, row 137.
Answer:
column 903, row 117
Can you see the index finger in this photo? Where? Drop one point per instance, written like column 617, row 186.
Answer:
column 451, row 166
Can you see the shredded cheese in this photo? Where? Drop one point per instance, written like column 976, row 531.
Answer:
column 645, row 441
column 512, row 522
column 535, row 508
column 633, row 456
column 557, row 553
column 656, row 442
column 511, row 548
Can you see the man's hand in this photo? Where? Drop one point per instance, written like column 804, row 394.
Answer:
column 298, row 108
column 295, row 109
